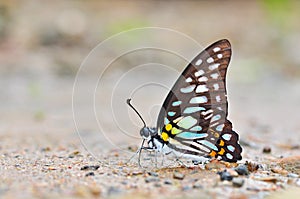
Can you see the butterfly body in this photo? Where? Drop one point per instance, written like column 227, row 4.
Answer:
column 193, row 120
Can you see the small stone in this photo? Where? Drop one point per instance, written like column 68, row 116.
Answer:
column 178, row 176
column 88, row 167
column 233, row 173
column 186, row 188
column 293, row 175
column 278, row 169
column 89, row 174
column 197, row 186
column 214, row 165
column 242, row 169
column 135, row 173
column 268, row 179
column 152, row 174
column 46, row 149
column 267, row 149
column 73, row 154
column 224, row 175
column 168, row 181
column 51, row 168
column 151, row 179
column 238, row 182
column 113, row 191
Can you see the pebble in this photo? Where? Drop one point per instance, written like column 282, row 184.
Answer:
column 293, row 175
column 90, row 167
column 186, row 188
column 168, row 181
column 90, row 174
column 178, row 176
column 233, row 173
column 113, row 190
column 279, row 170
column 151, row 179
column 73, row 154
column 267, row 149
column 242, row 169
column 224, row 175
column 238, row 182
column 135, row 173
column 197, row 186
column 152, row 174
column 268, row 179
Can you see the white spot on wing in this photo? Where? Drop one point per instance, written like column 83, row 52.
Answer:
column 171, row 113
column 209, row 116
column 188, row 89
column 216, row 49
column 215, row 118
column 198, row 100
column 208, row 144
column 198, row 62
column 214, row 75
column 207, row 112
column 229, row 156
column 166, row 121
column 176, row 103
column 216, row 86
column 188, row 80
column 210, row 60
column 226, row 136
column 220, row 128
column 199, row 73
column 187, row 122
column 213, row 66
column 197, row 128
column 203, row 79
column 219, row 56
column 218, row 98
column 230, row 148
column 201, row 89
column 189, row 110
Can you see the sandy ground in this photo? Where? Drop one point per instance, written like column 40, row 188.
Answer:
column 47, row 162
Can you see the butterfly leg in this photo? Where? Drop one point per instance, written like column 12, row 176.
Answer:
column 138, row 152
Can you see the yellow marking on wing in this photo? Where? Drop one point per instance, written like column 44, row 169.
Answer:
column 168, row 127
column 177, row 119
column 217, row 135
column 213, row 154
column 175, row 131
column 221, row 143
column 221, row 152
column 164, row 136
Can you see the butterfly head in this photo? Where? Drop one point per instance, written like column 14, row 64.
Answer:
column 148, row 132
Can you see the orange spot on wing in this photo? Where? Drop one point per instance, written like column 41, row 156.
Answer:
column 221, row 143
column 213, row 154
column 221, row 152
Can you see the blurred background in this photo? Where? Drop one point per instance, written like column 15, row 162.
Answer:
column 43, row 43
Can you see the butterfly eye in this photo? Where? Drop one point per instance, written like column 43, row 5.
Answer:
column 145, row 132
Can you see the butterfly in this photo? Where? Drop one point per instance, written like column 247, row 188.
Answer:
column 193, row 120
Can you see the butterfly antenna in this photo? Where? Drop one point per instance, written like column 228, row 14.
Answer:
column 129, row 104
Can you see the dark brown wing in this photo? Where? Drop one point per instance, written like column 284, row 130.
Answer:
column 193, row 117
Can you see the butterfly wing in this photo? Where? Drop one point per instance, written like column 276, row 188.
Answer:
column 193, row 118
